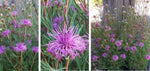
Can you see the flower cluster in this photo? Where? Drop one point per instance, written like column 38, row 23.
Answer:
column 115, row 41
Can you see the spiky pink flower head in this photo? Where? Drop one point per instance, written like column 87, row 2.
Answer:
column 1, row 5
column 141, row 44
column 147, row 57
column 67, row 43
column 115, row 57
column 35, row 49
column 94, row 58
column 123, row 56
column 98, row 39
column 133, row 48
column 127, row 48
column 130, row 36
column 26, row 22
column 107, row 47
column 112, row 35
column 11, row 48
column 104, row 55
column 112, row 40
column 14, row 13
column 56, row 2
column 107, row 28
column 118, row 43
column 6, row 33
column 2, row 49
column 20, row 47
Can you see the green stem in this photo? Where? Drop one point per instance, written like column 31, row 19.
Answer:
column 10, row 61
column 33, row 61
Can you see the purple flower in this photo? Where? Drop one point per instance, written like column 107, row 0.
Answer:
column 0, row 5
column 147, row 57
column 141, row 44
column 14, row 13
column 49, row 3
column 6, row 33
column 11, row 48
column 73, row 8
column 106, row 19
column 107, row 28
column 56, row 2
column 20, row 47
column 127, row 48
column 133, row 48
column 98, row 39
column 130, row 36
column 115, row 57
column 96, row 44
column 94, row 58
column 35, row 49
column 81, row 6
column 26, row 22
column 104, row 55
column 2, row 49
column 113, row 35
column 29, row 35
column 29, row 41
column 107, row 47
column 112, row 40
column 57, row 21
column 123, row 56
column 143, row 37
column 67, row 43
column 118, row 43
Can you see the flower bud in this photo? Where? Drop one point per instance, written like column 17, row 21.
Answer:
column 9, row 9
column 23, row 10
column 3, row 20
column 13, row 5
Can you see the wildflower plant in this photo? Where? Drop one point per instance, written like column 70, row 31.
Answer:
column 121, row 44
column 18, row 35
column 64, row 35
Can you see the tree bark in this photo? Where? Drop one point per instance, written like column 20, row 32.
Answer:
column 112, row 4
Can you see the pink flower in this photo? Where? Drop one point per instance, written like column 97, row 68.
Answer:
column 26, row 22
column 147, row 57
column 112, row 40
column 104, row 55
column 127, row 48
column 115, row 57
column 118, row 43
column 20, row 47
column 130, row 36
column 6, row 33
column 14, row 13
column 94, row 58
column 2, row 49
column 133, row 48
column 141, row 44
column 123, row 56
column 107, row 47
column 67, row 42
column 35, row 49
column 107, row 28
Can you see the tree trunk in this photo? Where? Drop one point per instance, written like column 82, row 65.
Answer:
column 112, row 4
